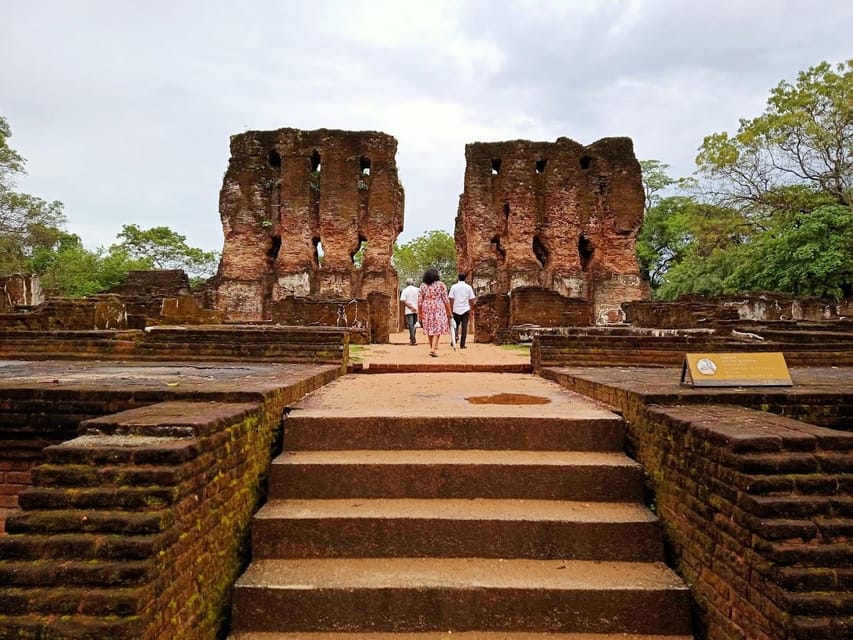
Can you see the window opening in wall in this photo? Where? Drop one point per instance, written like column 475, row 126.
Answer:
column 357, row 256
column 585, row 249
column 540, row 165
column 274, row 159
column 586, row 162
column 275, row 247
column 318, row 251
column 540, row 251
column 496, row 166
column 506, row 210
column 496, row 245
column 315, row 161
column 365, row 165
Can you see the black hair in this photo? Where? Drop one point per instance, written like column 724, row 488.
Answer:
column 430, row 276
column 462, row 277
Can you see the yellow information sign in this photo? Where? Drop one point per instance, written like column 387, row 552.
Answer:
column 735, row 370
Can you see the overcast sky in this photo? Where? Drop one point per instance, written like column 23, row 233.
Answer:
column 123, row 109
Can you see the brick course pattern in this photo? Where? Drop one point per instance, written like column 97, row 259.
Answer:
column 138, row 528
column 559, row 216
column 757, row 511
column 289, row 194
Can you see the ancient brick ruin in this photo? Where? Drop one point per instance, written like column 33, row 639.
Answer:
column 296, row 208
column 547, row 232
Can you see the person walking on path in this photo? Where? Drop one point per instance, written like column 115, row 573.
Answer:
column 434, row 309
column 462, row 299
column 409, row 297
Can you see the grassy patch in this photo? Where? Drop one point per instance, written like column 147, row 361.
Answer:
column 520, row 349
column 354, row 351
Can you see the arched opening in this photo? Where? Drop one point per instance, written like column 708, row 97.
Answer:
column 357, row 254
column 275, row 247
column 496, row 166
column 315, row 161
column 540, row 165
column 586, row 162
column 318, row 251
column 498, row 249
column 364, row 163
column 540, row 251
column 585, row 250
column 274, row 159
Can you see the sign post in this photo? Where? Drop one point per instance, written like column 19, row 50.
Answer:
column 735, row 370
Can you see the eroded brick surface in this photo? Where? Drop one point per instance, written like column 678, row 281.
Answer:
column 558, row 216
column 288, row 197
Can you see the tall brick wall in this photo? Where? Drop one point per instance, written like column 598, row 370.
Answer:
column 289, row 195
column 559, row 216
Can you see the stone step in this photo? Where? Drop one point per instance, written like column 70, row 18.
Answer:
column 535, row 475
column 456, row 528
column 602, row 431
column 429, row 594
column 443, row 635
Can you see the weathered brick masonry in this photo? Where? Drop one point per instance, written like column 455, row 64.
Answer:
column 137, row 529
column 560, row 217
column 289, row 195
column 757, row 508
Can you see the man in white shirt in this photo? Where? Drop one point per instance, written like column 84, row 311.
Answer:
column 462, row 299
column 409, row 297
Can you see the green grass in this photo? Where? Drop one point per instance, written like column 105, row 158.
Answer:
column 520, row 348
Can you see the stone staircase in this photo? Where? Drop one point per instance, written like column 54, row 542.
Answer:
column 499, row 527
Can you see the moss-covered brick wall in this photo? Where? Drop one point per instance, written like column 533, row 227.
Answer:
column 139, row 528
column 757, row 508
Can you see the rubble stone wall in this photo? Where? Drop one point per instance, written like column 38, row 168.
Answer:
column 559, row 216
column 296, row 207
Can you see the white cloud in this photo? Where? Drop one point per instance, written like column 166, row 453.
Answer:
column 124, row 110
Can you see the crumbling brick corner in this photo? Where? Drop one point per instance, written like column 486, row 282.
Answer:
column 559, row 217
column 297, row 207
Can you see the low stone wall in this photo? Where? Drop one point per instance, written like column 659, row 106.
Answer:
column 756, row 509
column 139, row 527
column 666, row 347
column 210, row 343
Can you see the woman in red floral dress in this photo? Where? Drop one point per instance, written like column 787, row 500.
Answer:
column 434, row 311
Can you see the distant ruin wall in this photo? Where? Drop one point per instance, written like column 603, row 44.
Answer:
column 559, row 216
column 21, row 290
column 296, row 207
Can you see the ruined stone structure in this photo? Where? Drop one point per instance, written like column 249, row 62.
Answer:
column 296, row 208
column 554, row 224
column 19, row 290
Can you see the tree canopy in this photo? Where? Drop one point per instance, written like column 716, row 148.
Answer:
column 771, row 210
column 431, row 249
column 27, row 223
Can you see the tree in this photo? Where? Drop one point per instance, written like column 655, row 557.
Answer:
column 434, row 248
column 69, row 269
column 162, row 248
column 27, row 223
column 811, row 255
column 804, row 137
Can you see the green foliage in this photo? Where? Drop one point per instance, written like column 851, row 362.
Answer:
column 68, row 269
column 804, row 137
column 431, row 249
column 27, row 223
column 809, row 255
column 162, row 248
column 774, row 213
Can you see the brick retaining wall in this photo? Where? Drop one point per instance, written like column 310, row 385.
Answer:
column 757, row 511
column 138, row 528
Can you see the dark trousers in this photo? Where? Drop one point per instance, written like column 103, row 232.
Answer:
column 411, row 319
column 462, row 326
